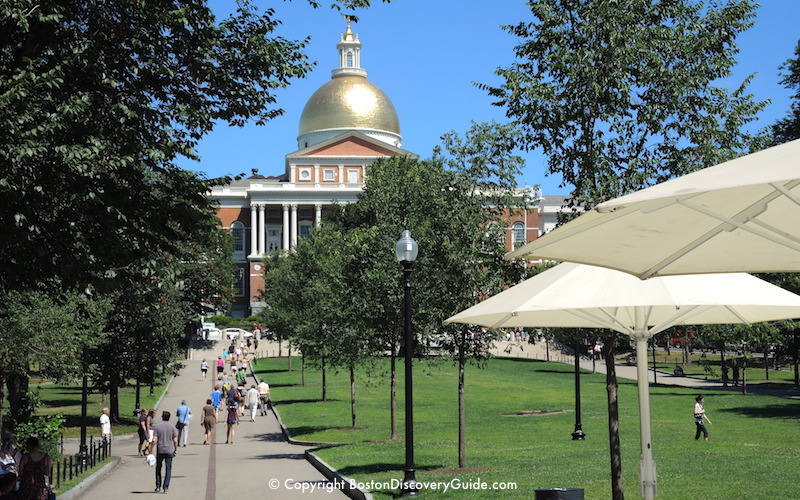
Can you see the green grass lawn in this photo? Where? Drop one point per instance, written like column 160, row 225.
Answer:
column 752, row 453
column 66, row 400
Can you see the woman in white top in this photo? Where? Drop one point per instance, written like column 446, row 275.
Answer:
column 699, row 415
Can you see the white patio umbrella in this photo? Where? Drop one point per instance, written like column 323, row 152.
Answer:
column 580, row 296
column 739, row 216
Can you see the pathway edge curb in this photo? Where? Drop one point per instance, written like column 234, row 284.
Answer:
column 87, row 483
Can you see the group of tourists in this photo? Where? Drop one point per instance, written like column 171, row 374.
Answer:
column 232, row 392
column 23, row 473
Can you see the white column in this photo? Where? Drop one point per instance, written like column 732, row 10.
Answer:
column 285, row 233
column 342, row 180
column 293, row 225
column 253, row 230
column 318, row 214
column 261, row 229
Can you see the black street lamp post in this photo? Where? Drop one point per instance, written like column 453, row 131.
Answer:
column 406, row 251
column 578, row 434
column 83, row 450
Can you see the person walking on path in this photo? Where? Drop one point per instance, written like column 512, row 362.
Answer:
column 263, row 392
column 165, row 436
column 736, row 373
column 699, row 415
column 252, row 401
column 183, row 414
column 105, row 426
column 232, row 419
column 220, row 364
column 34, row 469
column 142, row 431
column 204, row 368
column 209, row 417
column 216, row 397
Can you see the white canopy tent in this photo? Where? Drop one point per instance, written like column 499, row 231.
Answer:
column 581, row 296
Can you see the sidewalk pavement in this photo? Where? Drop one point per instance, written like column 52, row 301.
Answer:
column 259, row 464
column 558, row 353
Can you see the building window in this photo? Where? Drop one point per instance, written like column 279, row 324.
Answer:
column 349, row 59
column 329, row 174
column 518, row 234
column 237, row 232
column 305, row 229
column 352, row 176
column 238, row 282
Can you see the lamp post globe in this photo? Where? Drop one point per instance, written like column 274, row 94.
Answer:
column 406, row 251
column 406, row 248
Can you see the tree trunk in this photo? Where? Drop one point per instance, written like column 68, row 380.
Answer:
column 352, row 395
column 393, row 391
column 290, row 359
column 2, row 398
column 17, row 385
column 113, row 397
column 462, row 426
column 303, row 370
column 324, row 381
column 617, row 488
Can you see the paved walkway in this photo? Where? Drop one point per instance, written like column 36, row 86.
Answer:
column 260, row 464
column 564, row 355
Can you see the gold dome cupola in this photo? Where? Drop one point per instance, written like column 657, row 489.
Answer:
column 349, row 102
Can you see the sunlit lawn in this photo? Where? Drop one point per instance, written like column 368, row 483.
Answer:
column 752, row 452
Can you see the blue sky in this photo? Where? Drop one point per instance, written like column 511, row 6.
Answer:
column 425, row 56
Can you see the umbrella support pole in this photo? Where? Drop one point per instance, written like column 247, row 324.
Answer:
column 647, row 466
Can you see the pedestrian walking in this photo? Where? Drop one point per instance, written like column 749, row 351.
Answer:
column 232, row 419
column 263, row 392
column 143, row 432
column 209, row 416
column 204, row 368
column 183, row 414
column 216, row 398
column 220, row 364
column 736, row 373
column 105, row 426
column 34, row 469
column 165, row 437
column 252, row 401
column 699, row 415
column 151, row 415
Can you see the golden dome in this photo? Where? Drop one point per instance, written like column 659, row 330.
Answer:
column 349, row 103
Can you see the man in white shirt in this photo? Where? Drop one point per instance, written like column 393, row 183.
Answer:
column 263, row 391
column 252, row 400
column 105, row 426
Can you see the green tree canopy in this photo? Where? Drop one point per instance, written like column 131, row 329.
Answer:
column 621, row 95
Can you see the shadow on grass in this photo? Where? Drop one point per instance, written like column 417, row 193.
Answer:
column 770, row 411
column 299, row 432
column 295, row 401
column 382, row 467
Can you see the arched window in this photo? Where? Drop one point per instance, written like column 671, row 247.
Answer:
column 237, row 232
column 349, row 59
column 518, row 234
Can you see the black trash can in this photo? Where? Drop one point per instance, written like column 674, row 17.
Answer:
column 560, row 494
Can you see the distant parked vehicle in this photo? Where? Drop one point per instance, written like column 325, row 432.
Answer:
column 678, row 342
column 235, row 333
column 212, row 333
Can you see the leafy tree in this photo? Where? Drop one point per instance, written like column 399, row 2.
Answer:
column 788, row 128
column 448, row 204
column 621, row 95
column 40, row 318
